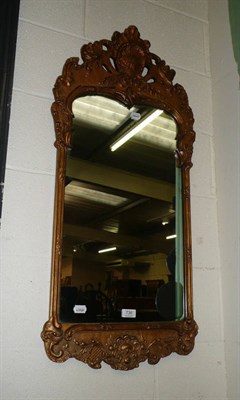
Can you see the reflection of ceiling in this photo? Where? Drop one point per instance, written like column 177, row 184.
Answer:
column 76, row 191
column 102, row 113
column 108, row 115
column 119, row 199
column 133, row 225
column 99, row 122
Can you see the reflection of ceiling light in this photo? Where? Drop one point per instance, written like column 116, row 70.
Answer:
column 100, row 112
column 128, row 135
column 111, row 225
column 76, row 248
column 165, row 221
column 106, row 250
column 171, row 237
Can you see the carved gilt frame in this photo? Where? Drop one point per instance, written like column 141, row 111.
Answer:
column 114, row 68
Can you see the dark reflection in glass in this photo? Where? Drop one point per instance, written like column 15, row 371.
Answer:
column 120, row 207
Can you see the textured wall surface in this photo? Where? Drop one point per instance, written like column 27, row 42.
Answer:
column 49, row 32
column 226, row 124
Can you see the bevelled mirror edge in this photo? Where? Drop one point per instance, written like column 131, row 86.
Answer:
column 122, row 69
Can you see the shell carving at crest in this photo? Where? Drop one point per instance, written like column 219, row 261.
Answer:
column 122, row 69
column 127, row 55
column 130, row 52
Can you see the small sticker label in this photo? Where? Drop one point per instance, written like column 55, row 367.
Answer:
column 135, row 116
column 126, row 313
column 80, row 309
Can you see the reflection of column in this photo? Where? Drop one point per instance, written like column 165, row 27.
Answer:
column 179, row 275
column 86, row 271
column 66, row 271
column 126, row 273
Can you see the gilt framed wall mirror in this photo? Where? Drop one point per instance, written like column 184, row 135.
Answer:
column 121, row 282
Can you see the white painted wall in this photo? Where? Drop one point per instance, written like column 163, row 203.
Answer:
column 49, row 32
column 226, row 124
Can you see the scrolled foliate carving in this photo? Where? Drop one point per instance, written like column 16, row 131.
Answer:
column 127, row 54
column 187, row 333
column 122, row 351
column 125, row 352
column 51, row 335
column 63, row 121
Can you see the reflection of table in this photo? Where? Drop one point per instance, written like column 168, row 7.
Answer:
column 128, row 288
column 144, row 306
column 137, row 303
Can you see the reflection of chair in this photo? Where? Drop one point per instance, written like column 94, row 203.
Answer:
column 170, row 295
column 98, row 306
column 128, row 288
column 166, row 300
column 93, row 303
column 68, row 297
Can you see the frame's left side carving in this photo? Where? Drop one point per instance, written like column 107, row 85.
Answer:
column 115, row 69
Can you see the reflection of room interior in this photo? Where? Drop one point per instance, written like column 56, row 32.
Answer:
column 121, row 203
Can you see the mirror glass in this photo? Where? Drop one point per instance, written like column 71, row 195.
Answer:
column 122, row 255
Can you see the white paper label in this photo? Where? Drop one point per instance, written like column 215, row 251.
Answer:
column 135, row 116
column 126, row 313
column 80, row 309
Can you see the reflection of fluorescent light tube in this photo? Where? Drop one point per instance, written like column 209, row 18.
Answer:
column 108, row 249
column 165, row 221
column 171, row 237
column 123, row 139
